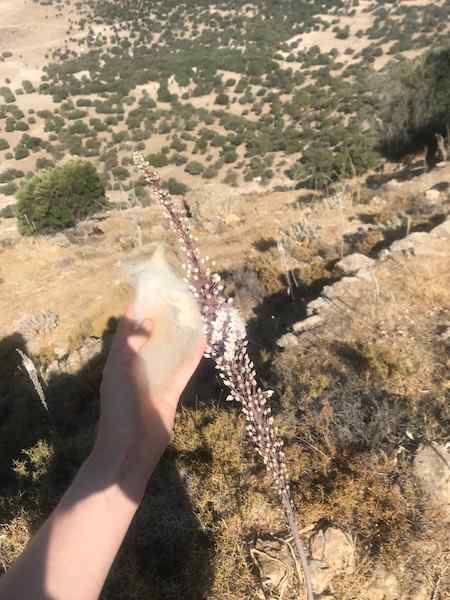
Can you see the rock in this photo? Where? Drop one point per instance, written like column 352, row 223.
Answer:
column 332, row 552
column 432, row 471
column 273, row 559
column 410, row 243
column 352, row 264
column 445, row 335
column 317, row 306
column 307, row 324
column 392, row 184
column 341, row 289
column 288, row 340
column 442, row 230
column 432, row 195
column 384, row 586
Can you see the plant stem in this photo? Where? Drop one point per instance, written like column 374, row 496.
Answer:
column 300, row 550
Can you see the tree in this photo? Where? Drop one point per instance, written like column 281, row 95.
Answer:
column 58, row 198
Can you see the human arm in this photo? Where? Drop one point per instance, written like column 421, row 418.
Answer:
column 71, row 555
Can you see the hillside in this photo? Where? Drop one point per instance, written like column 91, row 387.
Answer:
column 301, row 138
column 205, row 92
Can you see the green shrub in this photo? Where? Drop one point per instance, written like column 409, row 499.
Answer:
column 44, row 163
column 10, row 125
column 194, row 168
column 10, row 174
column 210, row 173
column 9, row 189
column 58, row 198
column 22, row 126
column 230, row 156
column 222, row 99
column 120, row 173
column 157, row 160
column 7, row 94
column 28, row 87
column 4, row 145
column 8, row 212
column 21, row 152
column 176, row 187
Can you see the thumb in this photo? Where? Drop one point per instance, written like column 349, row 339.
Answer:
column 132, row 335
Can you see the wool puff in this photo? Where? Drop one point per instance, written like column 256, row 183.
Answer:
column 177, row 324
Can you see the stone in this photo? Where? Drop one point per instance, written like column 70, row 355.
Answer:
column 317, row 306
column 392, row 184
column 288, row 340
column 410, row 242
column 307, row 324
column 332, row 552
column 343, row 288
column 384, row 586
column 352, row 264
column 432, row 471
column 432, row 195
column 442, row 231
column 275, row 565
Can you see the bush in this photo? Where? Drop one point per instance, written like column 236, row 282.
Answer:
column 176, row 187
column 8, row 212
column 9, row 189
column 44, row 163
column 4, row 145
column 21, row 152
column 230, row 156
column 22, row 126
column 59, row 198
column 222, row 99
column 194, row 168
column 157, row 160
column 120, row 173
column 10, row 174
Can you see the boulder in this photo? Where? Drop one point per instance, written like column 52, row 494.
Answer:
column 317, row 306
column 307, row 324
column 410, row 243
column 354, row 263
column 332, row 553
column 441, row 231
column 432, row 471
column 288, row 340
column 432, row 195
column 273, row 560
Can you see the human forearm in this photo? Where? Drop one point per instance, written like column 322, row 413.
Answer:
column 71, row 555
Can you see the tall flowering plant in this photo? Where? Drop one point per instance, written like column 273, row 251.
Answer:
column 227, row 346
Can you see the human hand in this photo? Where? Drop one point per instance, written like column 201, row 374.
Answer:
column 132, row 419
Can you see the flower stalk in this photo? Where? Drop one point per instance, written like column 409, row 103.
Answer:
column 227, row 346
